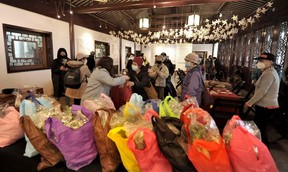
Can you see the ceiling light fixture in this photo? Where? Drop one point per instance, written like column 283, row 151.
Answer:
column 194, row 20
column 144, row 23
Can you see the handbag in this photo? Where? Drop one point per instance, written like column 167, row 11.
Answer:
column 206, row 99
column 150, row 91
column 50, row 154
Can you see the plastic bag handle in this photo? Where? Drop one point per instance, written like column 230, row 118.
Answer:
column 170, row 112
column 50, row 134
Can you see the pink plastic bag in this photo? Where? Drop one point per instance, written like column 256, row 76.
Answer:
column 246, row 152
column 10, row 130
column 150, row 158
column 76, row 145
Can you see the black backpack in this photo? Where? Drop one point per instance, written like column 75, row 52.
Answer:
column 72, row 78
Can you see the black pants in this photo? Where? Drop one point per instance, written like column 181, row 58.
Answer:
column 262, row 120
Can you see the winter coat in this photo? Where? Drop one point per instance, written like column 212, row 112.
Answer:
column 160, row 74
column 140, row 80
column 84, row 75
column 192, row 84
column 58, row 75
column 99, row 82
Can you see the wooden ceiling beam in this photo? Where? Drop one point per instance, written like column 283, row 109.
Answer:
column 187, row 14
column 143, row 4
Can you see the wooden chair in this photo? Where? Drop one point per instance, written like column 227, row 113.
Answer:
column 224, row 109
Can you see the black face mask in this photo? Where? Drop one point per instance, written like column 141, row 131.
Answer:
column 158, row 62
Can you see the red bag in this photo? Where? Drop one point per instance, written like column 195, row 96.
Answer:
column 120, row 95
column 246, row 152
column 150, row 158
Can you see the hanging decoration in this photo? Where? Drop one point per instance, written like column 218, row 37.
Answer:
column 216, row 30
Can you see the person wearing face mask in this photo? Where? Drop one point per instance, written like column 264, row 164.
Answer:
column 265, row 97
column 139, row 78
column 58, row 70
column 77, row 93
column 129, row 62
column 160, row 73
column 192, row 86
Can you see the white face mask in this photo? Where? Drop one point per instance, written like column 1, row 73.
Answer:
column 260, row 65
column 187, row 64
column 135, row 67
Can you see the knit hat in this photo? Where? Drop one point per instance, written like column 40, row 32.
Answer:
column 192, row 57
column 139, row 61
column 159, row 58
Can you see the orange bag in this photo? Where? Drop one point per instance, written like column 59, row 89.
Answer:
column 50, row 154
column 109, row 155
column 209, row 156
column 207, row 152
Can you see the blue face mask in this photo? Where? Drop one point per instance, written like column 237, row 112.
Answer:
column 187, row 64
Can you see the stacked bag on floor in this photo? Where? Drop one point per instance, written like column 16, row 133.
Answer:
column 10, row 130
column 244, row 147
column 206, row 148
column 57, row 135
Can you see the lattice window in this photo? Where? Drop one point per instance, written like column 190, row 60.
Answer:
column 268, row 39
column 248, row 50
column 282, row 43
column 257, row 46
column 240, row 50
column 237, row 52
column 27, row 49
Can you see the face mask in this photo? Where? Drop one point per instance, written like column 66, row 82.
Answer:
column 260, row 65
column 158, row 62
column 134, row 67
column 187, row 64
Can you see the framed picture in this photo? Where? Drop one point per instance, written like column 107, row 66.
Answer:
column 201, row 54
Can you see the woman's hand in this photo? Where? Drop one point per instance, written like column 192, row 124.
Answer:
column 130, row 84
column 126, row 77
column 248, row 104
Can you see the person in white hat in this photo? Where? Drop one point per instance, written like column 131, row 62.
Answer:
column 192, row 86
column 76, row 93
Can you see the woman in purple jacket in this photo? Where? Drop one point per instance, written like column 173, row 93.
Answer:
column 192, row 84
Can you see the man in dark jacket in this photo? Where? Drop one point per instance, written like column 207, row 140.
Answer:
column 171, row 67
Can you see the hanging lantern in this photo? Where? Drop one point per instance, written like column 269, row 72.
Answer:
column 194, row 20
column 144, row 23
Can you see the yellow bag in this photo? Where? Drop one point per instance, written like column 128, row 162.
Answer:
column 119, row 136
column 165, row 109
column 130, row 110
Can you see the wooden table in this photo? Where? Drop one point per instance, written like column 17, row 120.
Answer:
column 10, row 98
column 223, row 93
